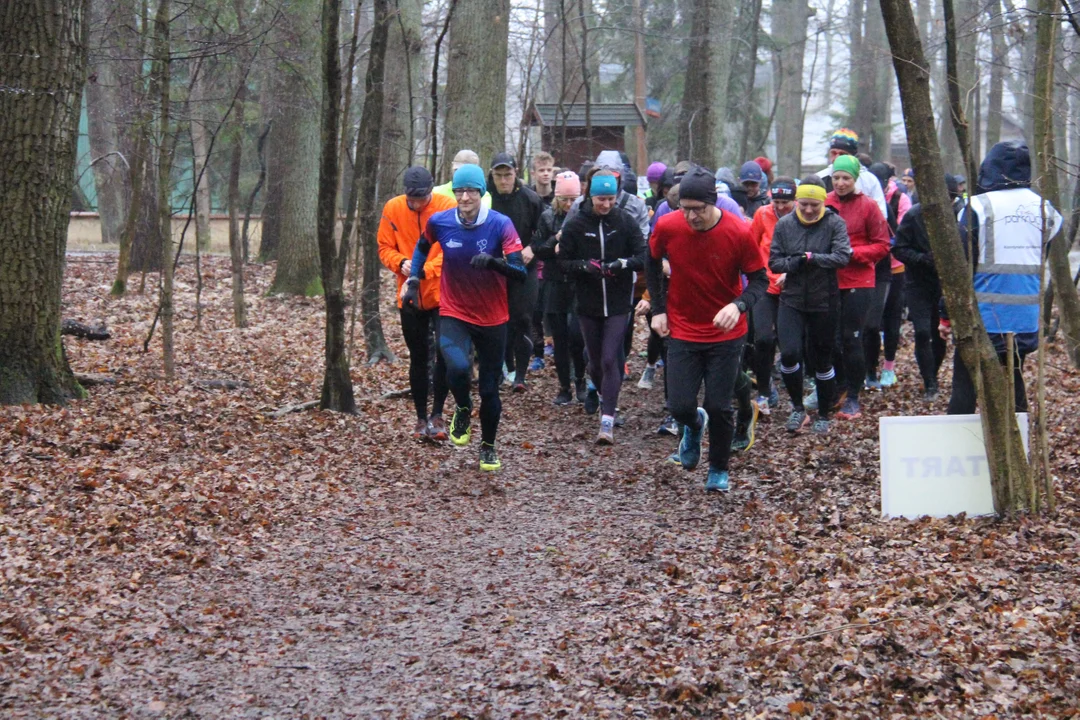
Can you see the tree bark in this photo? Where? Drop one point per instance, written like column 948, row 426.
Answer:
column 475, row 96
column 1046, row 184
column 1004, row 449
column 162, row 85
column 236, row 240
column 403, row 45
column 199, row 113
column 789, row 20
column 296, row 152
column 43, row 44
column 337, row 390
column 698, row 119
column 998, row 58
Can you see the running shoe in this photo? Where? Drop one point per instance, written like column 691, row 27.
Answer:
column 718, row 481
column 872, row 383
column 420, row 431
column 660, row 362
column 810, row 401
column 549, row 350
column 625, row 371
column 931, row 394
column 537, row 364
column 460, row 430
column 606, row 436
column 674, row 458
column 437, row 428
column 489, row 459
column 762, row 404
column 592, row 401
column 744, row 436
column 821, row 426
column 850, row 410
column 797, row 420
column 668, row 427
column 580, row 390
column 565, row 397
column 774, row 397
column 888, row 378
column 507, row 377
column 690, row 446
column 519, row 387
column 620, row 419
column 647, row 377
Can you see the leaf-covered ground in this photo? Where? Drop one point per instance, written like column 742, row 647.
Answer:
column 168, row 550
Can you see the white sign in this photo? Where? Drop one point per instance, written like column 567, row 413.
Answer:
column 936, row 465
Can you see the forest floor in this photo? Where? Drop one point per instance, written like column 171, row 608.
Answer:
column 169, row 550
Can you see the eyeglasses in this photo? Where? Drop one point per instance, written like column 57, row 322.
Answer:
column 462, row 192
column 688, row 211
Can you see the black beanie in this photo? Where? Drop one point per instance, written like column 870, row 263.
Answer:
column 698, row 184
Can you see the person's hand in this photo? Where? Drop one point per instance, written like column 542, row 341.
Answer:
column 406, row 267
column 659, row 325
column 527, row 255
column 781, row 279
column 593, row 267
column 944, row 329
column 667, row 268
column 643, row 307
column 613, row 268
column 556, row 248
column 727, row 317
column 410, row 295
column 481, row 261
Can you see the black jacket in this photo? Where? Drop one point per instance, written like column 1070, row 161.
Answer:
column 523, row 206
column 543, row 245
column 616, row 236
column 913, row 249
column 753, row 203
column 810, row 284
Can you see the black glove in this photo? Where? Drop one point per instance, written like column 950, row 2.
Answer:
column 411, row 299
column 481, row 261
column 613, row 268
column 592, row 267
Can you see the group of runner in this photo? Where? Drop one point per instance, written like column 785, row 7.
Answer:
column 727, row 270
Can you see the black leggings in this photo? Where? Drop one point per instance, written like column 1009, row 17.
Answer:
column 568, row 345
column 764, row 316
column 818, row 329
column 892, row 317
column 925, row 315
column 964, row 398
column 521, row 298
column 855, row 306
column 604, row 341
column 872, row 332
column 457, row 340
column 717, row 364
column 418, row 328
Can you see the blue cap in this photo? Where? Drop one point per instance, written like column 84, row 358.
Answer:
column 604, row 185
column 751, row 172
column 470, row 176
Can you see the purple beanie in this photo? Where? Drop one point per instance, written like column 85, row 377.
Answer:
column 655, row 172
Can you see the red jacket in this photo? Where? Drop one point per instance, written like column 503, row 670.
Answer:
column 869, row 234
column 761, row 230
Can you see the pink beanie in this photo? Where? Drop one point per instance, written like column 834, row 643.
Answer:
column 655, row 172
column 567, row 184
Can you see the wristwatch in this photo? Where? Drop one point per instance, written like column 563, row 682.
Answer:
column 741, row 306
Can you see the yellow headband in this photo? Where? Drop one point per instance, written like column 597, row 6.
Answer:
column 808, row 191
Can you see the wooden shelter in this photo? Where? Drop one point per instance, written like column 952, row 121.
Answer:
column 565, row 132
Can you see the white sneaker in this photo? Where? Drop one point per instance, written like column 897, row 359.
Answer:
column 763, row 405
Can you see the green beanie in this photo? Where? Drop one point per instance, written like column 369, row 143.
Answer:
column 848, row 164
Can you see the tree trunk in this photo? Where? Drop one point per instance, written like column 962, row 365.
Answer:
column 998, row 58
column 1046, row 184
column 270, row 224
column 403, row 51
column 38, row 133
column 1004, row 449
column 236, row 240
column 746, row 110
column 337, row 390
column 697, row 123
column 789, row 19
column 475, row 96
column 296, row 153
column 199, row 113
column 163, row 72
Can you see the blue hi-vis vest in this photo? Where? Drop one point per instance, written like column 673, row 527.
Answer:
column 1011, row 233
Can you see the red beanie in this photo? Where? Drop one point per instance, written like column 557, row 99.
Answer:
column 764, row 163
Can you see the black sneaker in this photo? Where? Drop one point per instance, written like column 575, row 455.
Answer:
column 565, row 397
column 592, row 401
column 669, row 427
column 489, row 459
column 931, row 394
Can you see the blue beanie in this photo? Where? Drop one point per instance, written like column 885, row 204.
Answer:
column 604, row 185
column 470, row 176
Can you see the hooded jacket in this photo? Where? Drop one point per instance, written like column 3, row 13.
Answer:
column 399, row 230
column 629, row 202
column 868, row 235
column 587, row 236
column 913, row 249
column 810, row 284
column 867, row 183
column 544, row 242
column 522, row 205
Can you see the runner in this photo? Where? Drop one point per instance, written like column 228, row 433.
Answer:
column 559, row 307
column 655, row 174
column 602, row 246
column 704, row 310
column 403, row 220
column 1005, row 240
column 923, row 292
column 764, row 312
column 868, row 234
column 481, row 253
column 808, row 246
column 766, row 167
column 846, row 142
column 524, row 208
column 463, row 157
column 755, row 185
column 543, row 176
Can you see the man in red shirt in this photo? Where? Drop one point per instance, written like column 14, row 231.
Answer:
column 704, row 312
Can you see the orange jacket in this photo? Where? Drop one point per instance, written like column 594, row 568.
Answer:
column 399, row 231
column 761, row 230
